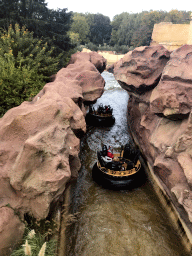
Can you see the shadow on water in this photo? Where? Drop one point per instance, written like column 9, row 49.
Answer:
column 116, row 223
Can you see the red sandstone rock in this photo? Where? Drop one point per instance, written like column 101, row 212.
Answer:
column 173, row 95
column 87, row 76
column 11, row 230
column 160, row 120
column 40, row 140
column 140, row 70
column 98, row 61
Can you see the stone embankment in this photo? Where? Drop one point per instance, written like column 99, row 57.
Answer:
column 159, row 83
column 39, row 145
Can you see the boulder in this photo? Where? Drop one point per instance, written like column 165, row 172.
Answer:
column 96, row 59
column 140, row 70
column 40, row 140
column 172, row 97
column 160, row 116
column 11, row 230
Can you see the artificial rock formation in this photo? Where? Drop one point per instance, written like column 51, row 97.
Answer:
column 160, row 118
column 39, row 144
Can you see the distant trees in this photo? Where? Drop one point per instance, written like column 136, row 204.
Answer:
column 95, row 28
column 100, row 29
column 80, row 29
column 136, row 29
column 125, row 32
column 64, row 30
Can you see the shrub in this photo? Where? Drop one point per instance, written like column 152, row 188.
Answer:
column 28, row 51
column 17, row 84
column 91, row 46
column 25, row 66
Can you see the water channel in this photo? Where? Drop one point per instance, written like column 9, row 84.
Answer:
column 116, row 223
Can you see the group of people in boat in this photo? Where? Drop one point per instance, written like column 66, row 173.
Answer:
column 106, row 156
column 101, row 110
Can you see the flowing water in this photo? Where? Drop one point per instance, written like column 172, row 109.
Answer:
column 116, row 223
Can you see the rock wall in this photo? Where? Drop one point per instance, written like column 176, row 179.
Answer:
column 159, row 115
column 39, row 145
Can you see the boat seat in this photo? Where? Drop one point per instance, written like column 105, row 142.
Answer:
column 100, row 158
column 127, row 150
column 104, row 150
column 136, row 157
column 131, row 153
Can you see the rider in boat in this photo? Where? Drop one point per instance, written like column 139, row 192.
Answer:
column 110, row 152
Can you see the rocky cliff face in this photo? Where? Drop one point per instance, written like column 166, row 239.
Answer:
column 159, row 114
column 39, row 144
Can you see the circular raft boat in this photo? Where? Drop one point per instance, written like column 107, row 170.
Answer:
column 123, row 171
column 103, row 116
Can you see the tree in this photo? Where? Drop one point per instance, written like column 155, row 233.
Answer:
column 74, row 37
column 175, row 16
column 100, row 29
column 81, row 27
column 9, row 12
column 143, row 32
column 115, row 27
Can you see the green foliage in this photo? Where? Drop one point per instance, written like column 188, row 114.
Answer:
column 79, row 27
column 177, row 17
column 100, row 28
column 128, row 30
column 91, row 46
column 25, row 66
column 136, row 29
column 37, row 233
column 94, row 28
column 35, row 242
column 50, row 25
column 8, row 12
column 17, row 84
column 74, row 37
column 28, row 51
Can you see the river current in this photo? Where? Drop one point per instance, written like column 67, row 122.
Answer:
column 116, row 223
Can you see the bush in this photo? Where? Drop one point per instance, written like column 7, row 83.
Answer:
column 122, row 49
column 17, row 84
column 91, row 46
column 28, row 51
column 25, row 66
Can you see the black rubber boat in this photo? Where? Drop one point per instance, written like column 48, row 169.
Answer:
column 102, row 116
column 123, row 171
